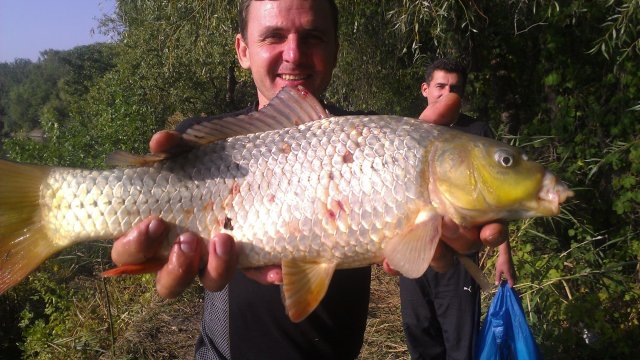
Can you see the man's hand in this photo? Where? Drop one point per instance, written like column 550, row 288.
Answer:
column 504, row 265
column 460, row 239
column 445, row 111
column 190, row 256
column 465, row 240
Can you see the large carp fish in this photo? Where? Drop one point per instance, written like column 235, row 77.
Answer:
column 293, row 185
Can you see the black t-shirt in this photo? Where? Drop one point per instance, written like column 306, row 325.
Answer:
column 247, row 320
column 473, row 126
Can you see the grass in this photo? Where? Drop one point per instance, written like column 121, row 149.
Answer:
column 132, row 322
column 168, row 329
column 383, row 338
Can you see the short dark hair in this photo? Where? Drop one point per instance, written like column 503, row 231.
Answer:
column 448, row 65
column 243, row 12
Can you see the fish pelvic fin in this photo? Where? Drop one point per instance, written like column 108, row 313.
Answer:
column 304, row 284
column 411, row 252
column 475, row 272
column 149, row 266
column 289, row 108
column 24, row 243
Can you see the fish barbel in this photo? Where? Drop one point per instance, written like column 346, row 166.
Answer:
column 293, row 185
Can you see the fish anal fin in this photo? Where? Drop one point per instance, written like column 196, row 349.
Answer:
column 411, row 252
column 149, row 266
column 289, row 108
column 304, row 285
column 122, row 158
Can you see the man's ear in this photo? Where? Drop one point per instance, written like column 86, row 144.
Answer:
column 242, row 52
column 424, row 89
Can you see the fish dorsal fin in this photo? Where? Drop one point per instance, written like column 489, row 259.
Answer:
column 411, row 252
column 304, row 284
column 290, row 107
column 123, row 158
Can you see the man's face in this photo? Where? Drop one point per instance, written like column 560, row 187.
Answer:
column 289, row 43
column 442, row 83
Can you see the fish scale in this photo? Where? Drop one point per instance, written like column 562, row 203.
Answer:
column 301, row 200
column 312, row 194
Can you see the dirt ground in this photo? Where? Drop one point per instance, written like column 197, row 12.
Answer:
column 169, row 329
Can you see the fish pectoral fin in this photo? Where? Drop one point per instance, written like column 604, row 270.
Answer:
column 123, row 158
column 289, row 108
column 304, row 284
column 411, row 252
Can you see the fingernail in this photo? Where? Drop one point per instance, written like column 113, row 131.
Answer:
column 273, row 278
column 223, row 248
column 156, row 228
column 187, row 243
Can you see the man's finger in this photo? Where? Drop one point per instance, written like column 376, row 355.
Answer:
column 167, row 141
column 511, row 277
column 266, row 275
column 494, row 234
column 140, row 243
column 463, row 240
column 181, row 268
column 498, row 276
column 222, row 261
column 388, row 269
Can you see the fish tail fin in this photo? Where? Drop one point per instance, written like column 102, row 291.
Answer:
column 24, row 243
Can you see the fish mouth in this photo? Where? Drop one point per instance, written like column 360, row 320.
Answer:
column 551, row 195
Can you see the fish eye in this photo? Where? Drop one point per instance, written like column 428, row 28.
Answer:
column 505, row 158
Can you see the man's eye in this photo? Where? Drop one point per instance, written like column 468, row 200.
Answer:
column 274, row 38
column 314, row 37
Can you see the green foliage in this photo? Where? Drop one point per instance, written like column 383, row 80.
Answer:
column 25, row 99
column 11, row 75
column 622, row 36
column 181, row 55
column 532, row 77
column 577, row 113
column 373, row 73
column 65, row 313
column 34, row 91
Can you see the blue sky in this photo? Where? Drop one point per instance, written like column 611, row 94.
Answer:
column 30, row 26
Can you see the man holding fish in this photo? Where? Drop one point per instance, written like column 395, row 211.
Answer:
column 282, row 43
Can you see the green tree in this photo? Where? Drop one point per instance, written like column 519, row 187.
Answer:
column 534, row 78
column 25, row 99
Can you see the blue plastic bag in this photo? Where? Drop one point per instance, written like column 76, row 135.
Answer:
column 505, row 334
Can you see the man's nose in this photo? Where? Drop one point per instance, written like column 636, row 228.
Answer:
column 292, row 49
